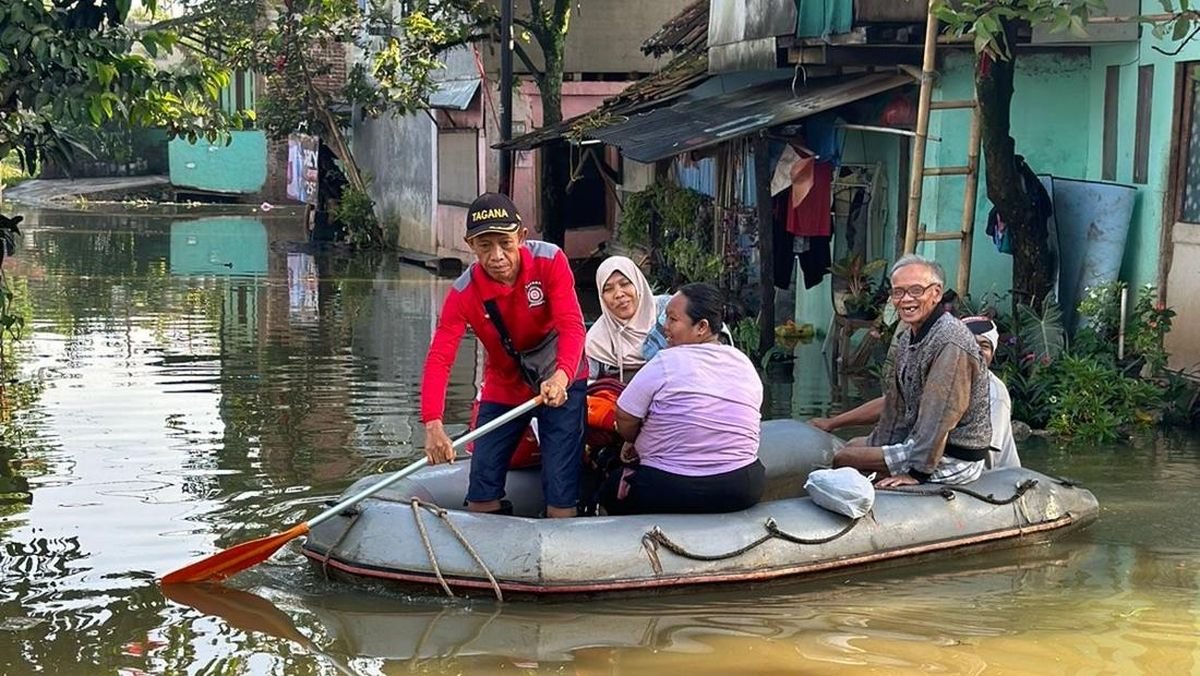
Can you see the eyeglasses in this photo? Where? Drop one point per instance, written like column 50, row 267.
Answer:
column 916, row 290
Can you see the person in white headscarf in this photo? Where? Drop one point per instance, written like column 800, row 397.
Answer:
column 1004, row 445
column 628, row 332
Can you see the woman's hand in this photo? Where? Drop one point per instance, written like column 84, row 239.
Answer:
column 629, row 454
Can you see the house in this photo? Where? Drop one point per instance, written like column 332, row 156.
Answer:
column 1114, row 108
column 426, row 168
column 728, row 105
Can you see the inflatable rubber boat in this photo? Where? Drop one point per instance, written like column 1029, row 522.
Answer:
column 416, row 533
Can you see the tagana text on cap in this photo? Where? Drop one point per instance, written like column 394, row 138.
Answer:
column 492, row 212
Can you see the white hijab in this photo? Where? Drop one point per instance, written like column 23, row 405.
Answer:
column 611, row 341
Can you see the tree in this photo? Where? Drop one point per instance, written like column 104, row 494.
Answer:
column 295, row 42
column 67, row 63
column 993, row 25
column 395, row 71
column 548, row 24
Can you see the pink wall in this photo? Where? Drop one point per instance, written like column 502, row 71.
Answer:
column 578, row 98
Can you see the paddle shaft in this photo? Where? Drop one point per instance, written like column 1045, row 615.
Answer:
column 461, row 441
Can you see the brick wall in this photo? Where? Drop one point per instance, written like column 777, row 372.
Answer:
column 334, row 57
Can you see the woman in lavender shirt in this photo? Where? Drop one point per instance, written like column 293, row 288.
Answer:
column 690, row 418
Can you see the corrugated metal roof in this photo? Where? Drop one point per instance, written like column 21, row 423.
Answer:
column 675, row 79
column 454, row 94
column 686, row 32
column 691, row 125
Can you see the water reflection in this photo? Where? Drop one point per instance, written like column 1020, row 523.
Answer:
column 990, row 615
column 188, row 383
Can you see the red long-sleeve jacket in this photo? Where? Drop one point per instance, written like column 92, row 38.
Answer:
column 543, row 298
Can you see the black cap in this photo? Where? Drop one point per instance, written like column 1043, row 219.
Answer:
column 492, row 212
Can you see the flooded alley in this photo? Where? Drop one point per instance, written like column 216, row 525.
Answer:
column 187, row 382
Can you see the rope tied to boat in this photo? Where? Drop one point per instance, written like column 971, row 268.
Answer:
column 655, row 536
column 947, row 491
column 444, row 515
column 352, row 513
column 433, row 561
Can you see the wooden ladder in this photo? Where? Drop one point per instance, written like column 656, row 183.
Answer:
column 915, row 231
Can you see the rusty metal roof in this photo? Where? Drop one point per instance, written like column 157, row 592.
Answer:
column 454, row 94
column 690, row 125
column 676, row 79
column 686, row 32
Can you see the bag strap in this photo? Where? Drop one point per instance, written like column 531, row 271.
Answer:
column 493, row 313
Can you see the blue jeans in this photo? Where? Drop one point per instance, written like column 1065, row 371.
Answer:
column 560, row 436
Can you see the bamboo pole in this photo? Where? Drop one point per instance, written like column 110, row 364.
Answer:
column 970, row 200
column 917, row 171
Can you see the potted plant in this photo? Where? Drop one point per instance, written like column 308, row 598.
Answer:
column 857, row 300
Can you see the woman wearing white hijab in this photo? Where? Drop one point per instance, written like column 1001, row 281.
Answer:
column 627, row 334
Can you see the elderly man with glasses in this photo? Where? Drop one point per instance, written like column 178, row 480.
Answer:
column 935, row 425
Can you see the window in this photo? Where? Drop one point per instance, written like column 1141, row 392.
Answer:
column 1141, row 139
column 1188, row 146
column 458, row 166
column 1112, row 98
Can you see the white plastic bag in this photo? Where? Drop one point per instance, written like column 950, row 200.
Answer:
column 844, row 490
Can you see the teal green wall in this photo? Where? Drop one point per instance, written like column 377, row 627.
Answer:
column 1058, row 123
column 1144, row 246
column 815, row 305
column 1051, row 124
column 240, row 167
column 219, row 246
column 818, row 18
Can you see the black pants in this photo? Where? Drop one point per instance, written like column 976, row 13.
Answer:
column 653, row 491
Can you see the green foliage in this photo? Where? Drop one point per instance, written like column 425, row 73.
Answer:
column 11, row 171
column 74, row 64
column 1093, row 400
column 682, row 219
column 1146, row 327
column 1044, row 335
column 746, row 335
column 356, row 211
column 295, row 44
column 988, row 21
column 1083, row 390
column 12, row 320
column 859, row 276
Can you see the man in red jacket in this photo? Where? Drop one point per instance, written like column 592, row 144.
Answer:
column 513, row 297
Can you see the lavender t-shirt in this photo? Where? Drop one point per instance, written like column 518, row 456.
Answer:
column 700, row 410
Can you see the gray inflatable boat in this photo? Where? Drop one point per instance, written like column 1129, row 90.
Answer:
column 416, row 534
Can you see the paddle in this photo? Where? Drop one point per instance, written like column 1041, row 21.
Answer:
column 247, row 554
column 248, row 612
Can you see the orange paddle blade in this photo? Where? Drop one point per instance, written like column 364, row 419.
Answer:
column 235, row 559
column 240, row 609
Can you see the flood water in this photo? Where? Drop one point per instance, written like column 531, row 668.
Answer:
column 187, row 383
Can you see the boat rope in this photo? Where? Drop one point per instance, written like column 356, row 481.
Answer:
column 353, row 513
column 437, row 569
column 444, row 515
column 1069, row 483
column 947, row 491
column 655, row 537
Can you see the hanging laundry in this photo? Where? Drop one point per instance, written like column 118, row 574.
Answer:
column 997, row 229
column 782, row 178
column 824, row 137
column 783, row 241
column 814, row 257
column 1043, row 208
column 811, row 216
